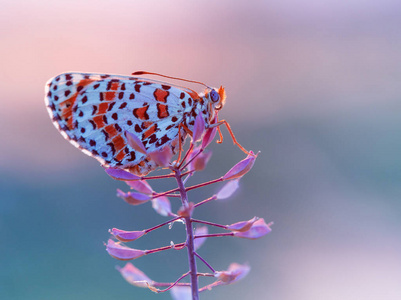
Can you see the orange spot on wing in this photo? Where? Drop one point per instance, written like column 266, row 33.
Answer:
column 108, row 96
column 66, row 110
column 161, row 95
column 85, row 82
column 111, row 130
column 120, row 155
column 103, row 108
column 118, row 142
column 114, row 86
column 149, row 132
column 141, row 113
column 135, row 169
column 147, row 124
column 162, row 111
column 99, row 121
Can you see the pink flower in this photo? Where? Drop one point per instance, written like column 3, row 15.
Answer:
column 162, row 206
column 242, row 226
column 201, row 230
column 135, row 276
column 199, row 128
column 163, row 157
column 208, row 137
column 228, row 189
column 141, row 186
column 257, row 230
column 241, row 168
column 186, row 211
column 133, row 198
column 126, row 236
column 120, row 174
column 234, row 273
column 135, row 142
column 200, row 161
column 122, row 252
column 181, row 293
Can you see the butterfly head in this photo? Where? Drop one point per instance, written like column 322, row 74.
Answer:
column 217, row 97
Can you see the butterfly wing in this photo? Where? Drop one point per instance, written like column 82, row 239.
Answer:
column 93, row 112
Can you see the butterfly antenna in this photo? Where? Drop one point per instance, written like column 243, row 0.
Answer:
column 170, row 77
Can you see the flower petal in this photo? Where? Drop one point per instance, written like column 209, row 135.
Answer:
column 134, row 276
column 201, row 230
column 199, row 128
column 120, row 174
column 135, row 142
column 208, row 137
column 200, row 161
column 242, row 226
column 133, row 198
column 122, row 252
column 228, row 189
column 162, row 157
column 186, row 211
column 241, row 168
column 141, row 186
column 126, row 236
column 181, row 293
column 162, row 206
column 257, row 230
column 234, row 273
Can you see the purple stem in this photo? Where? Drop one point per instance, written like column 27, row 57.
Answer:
column 161, row 225
column 214, row 197
column 214, row 235
column 181, row 277
column 192, row 158
column 205, row 262
column 185, row 157
column 171, row 175
column 177, row 246
column 210, row 223
column 190, row 237
column 204, row 184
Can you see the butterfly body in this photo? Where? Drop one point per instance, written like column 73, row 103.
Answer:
column 94, row 112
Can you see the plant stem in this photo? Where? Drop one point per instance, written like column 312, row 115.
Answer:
column 190, row 237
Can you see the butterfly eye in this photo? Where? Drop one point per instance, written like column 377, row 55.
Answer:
column 214, row 96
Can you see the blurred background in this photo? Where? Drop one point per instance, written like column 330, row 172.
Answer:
column 314, row 85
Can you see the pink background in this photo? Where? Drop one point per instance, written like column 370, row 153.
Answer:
column 314, row 85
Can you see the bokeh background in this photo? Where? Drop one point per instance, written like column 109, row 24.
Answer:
column 314, row 85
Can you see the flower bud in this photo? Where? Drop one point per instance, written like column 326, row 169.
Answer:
column 257, row 230
column 135, row 142
column 199, row 128
column 208, row 137
column 200, row 161
column 134, row 276
column 201, row 230
column 162, row 206
column 241, row 168
column 242, row 226
column 120, row 174
column 122, row 252
column 181, row 292
column 228, row 189
column 162, row 157
column 133, row 198
column 234, row 273
column 126, row 236
column 141, row 186
column 186, row 211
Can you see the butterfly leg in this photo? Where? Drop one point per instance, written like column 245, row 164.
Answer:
column 231, row 133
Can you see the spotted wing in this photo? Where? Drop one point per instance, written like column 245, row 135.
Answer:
column 93, row 112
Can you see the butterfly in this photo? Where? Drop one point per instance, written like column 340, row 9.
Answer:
column 95, row 111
